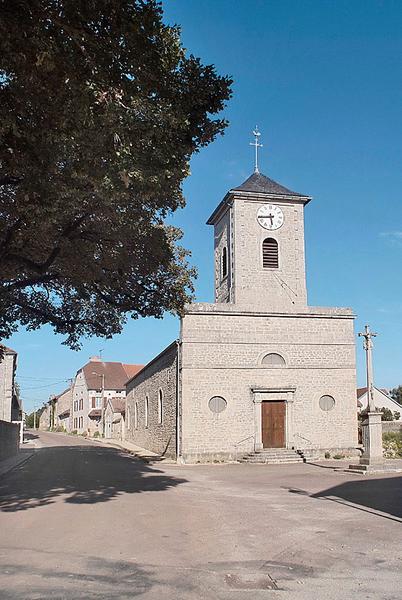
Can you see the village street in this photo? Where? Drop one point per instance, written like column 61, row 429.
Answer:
column 81, row 520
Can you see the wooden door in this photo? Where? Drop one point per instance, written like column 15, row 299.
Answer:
column 273, row 424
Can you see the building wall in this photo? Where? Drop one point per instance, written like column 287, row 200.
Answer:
column 222, row 239
column 160, row 374
column 45, row 418
column 257, row 288
column 9, row 439
column 7, row 368
column 63, row 403
column 221, row 356
column 80, row 419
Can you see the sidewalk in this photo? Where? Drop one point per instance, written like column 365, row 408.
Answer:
column 142, row 453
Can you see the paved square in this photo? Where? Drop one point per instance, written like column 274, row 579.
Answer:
column 79, row 520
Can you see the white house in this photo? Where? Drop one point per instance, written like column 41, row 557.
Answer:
column 381, row 400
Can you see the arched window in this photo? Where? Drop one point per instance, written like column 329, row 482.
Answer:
column 270, row 255
column 224, row 262
column 136, row 415
column 160, row 407
column 273, row 360
column 146, row 410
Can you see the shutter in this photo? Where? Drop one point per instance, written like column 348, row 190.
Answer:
column 270, row 259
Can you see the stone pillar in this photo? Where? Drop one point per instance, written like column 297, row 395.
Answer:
column 372, row 440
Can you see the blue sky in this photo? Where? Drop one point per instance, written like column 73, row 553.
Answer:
column 323, row 81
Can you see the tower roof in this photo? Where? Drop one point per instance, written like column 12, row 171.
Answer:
column 259, row 183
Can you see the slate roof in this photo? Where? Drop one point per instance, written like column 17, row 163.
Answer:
column 259, row 183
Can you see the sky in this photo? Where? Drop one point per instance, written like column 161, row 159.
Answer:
column 323, row 82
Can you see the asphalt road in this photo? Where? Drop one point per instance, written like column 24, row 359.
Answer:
column 82, row 521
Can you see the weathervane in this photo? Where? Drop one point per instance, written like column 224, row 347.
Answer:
column 256, row 145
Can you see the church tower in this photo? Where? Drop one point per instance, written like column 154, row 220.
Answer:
column 259, row 246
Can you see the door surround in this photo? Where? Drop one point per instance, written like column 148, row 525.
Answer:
column 285, row 394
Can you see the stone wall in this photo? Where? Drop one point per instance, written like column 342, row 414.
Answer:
column 256, row 287
column 9, row 439
column 158, row 376
column 391, row 426
column 7, row 369
column 222, row 356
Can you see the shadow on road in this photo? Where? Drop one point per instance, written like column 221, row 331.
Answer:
column 30, row 436
column 79, row 475
column 95, row 578
column 368, row 495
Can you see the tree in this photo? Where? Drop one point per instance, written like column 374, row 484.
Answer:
column 396, row 394
column 386, row 414
column 101, row 111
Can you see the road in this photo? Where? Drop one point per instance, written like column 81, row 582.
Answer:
column 80, row 520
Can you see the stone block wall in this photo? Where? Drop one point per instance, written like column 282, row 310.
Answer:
column 158, row 375
column 222, row 356
column 283, row 288
column 7, row 368
column 9, row 439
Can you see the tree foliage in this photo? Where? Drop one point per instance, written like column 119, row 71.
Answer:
column 396, row 394
column 101, row 111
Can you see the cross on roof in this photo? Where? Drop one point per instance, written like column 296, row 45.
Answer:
column 256, row 145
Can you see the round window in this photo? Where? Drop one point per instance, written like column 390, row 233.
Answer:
column 217, row 404
column 327, row 403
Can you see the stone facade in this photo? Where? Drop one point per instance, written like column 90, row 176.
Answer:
column 8, row 410
column 63, row 410
column 319, row 353
column 151, row 404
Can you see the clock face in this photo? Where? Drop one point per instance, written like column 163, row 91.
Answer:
column 270, row 216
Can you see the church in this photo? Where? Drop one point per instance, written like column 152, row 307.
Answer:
column 258, row 372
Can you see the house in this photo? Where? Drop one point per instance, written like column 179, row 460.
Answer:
column 10, row 404
column 381, row 400
column 63, row 409
column 46, row 417
column 258, row 368
column 115, row 418
column 94, row 384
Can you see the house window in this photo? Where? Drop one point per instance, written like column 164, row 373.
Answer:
column 160, row 407
column 146, row 410
column 270, row 255
column 75, row 405
column 136, row 415
column 81, row 403
column 224, row 262
column 93, row 402
column 99, row 403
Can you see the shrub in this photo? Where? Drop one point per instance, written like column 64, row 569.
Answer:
column 387, row 414
column 96, row 434
column 74, row 432
column 392, row 444
column 338, row 456
column 327, row 455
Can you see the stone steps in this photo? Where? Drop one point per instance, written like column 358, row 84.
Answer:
column 272, row 456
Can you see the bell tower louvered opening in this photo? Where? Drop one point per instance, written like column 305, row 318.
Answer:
column 270, row 255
